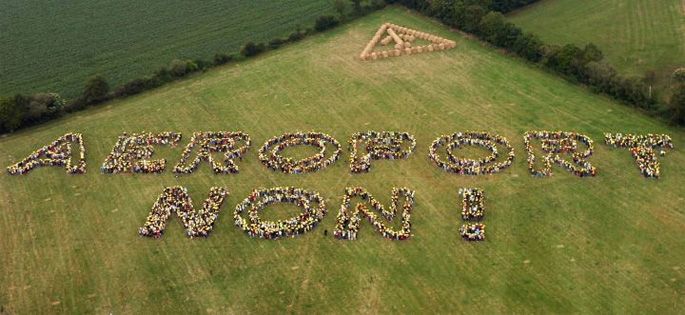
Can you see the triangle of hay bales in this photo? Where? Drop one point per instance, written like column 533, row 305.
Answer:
column 402, row 37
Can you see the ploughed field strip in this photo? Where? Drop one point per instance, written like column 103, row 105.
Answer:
column 578, row 229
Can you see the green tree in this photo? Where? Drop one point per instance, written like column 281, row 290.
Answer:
column 678, row 104
column 12, row 111
column 251, row 49
column 325, row 22
column 96, row 90
column 679, row 75
column 592, row 53
column 357, row 6
column 180, row 68
column 340, row 7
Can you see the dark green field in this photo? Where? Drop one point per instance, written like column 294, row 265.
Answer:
column 54, row 46
column 614, row 243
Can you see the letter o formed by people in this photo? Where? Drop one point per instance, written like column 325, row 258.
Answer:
column 270, row 153
column 313, row 205
column 486, row 165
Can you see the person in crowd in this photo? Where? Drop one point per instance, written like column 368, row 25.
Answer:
column 57, row 153
column 270, row 155
column 388, row 145
column 131, row 153
column 643, row 149
column 554, row 145
column 176, row 200
column 463, row 166
column 313, row 205
column 348, row 219
column 209, row 143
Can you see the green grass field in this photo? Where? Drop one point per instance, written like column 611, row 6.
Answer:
column 55, row 46
column 609, row 244
column 636, row 36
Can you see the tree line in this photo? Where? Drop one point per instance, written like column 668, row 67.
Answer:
column 585, row 65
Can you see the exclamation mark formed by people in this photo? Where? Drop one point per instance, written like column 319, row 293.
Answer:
column 472, row 212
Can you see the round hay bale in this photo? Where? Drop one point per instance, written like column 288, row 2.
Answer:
column 398, row 46
column 442, row 46
column 362, row 56
column 415, row 50
column 430, row 47
column 397, row 52
column 407, row 44
column 419, row 49
column 374, row 56
column 407, row 51
column 385, row 54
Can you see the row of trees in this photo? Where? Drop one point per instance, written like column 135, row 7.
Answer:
column 21, row 111
column 678, row 98
column 484, row 19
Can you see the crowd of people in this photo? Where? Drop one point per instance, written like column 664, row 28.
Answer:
column 473, row 232
column 57, row 153
column 313, row 205
column 463, row 166
column 554, row 144
column 643, row 149
column 209, row 143
column 348, row 220
column 270, row 153
column 131, row 153
column 389, row 145
column 177, row 200
column 472, row 204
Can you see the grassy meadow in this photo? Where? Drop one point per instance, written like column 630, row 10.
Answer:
column 609, row 244
column 54, row 46
column 636, row 36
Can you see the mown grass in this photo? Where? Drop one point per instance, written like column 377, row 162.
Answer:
column 636, row 36
column 613, row 243
column 55, row 46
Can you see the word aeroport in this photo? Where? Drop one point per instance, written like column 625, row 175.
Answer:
column 132, row 153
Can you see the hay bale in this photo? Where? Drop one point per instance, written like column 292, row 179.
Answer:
column 407, row 44
column 397, row 52
column 407, row 51
column 430, row 48
column 374, row 56
column 398, row 46
column 419, row 49
column 395, row 37
column 385, row 54
column 442, row 46
column 415, row 50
